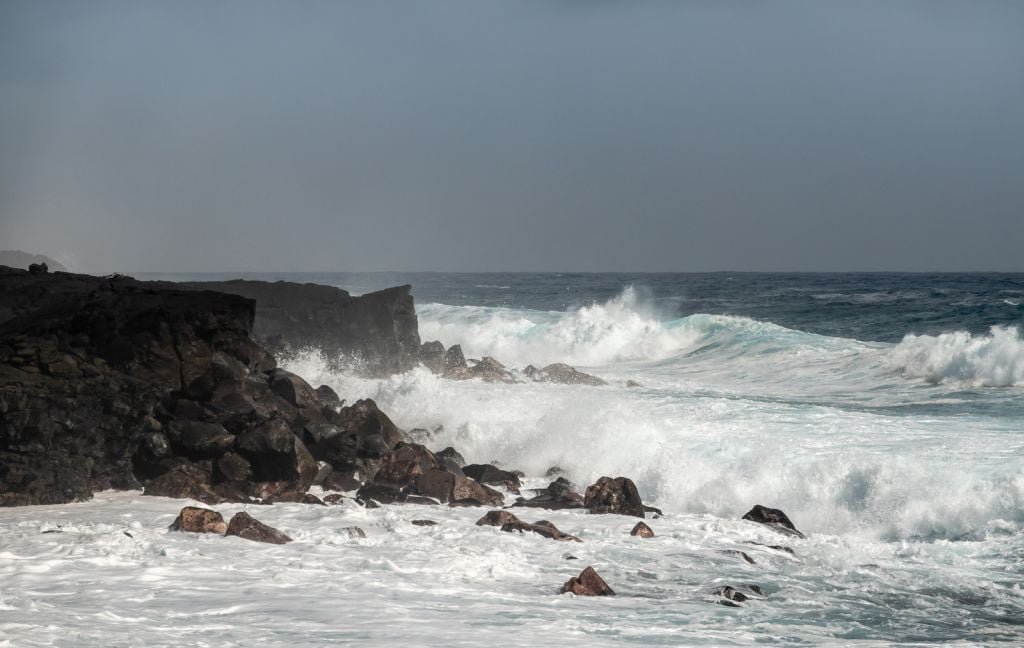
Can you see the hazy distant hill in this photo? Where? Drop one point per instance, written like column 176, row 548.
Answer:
column 19, row 259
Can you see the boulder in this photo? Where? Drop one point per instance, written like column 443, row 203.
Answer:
column 329, row 396
column 558, row 495
column 200, row 440
column 365, row 435
column 454, row 360
column 277, row 455
column 642, row 530
column 588, row 583
column 493, row 476
column 773, row 518
column 497, row 518
column 445, row 486
column 245, row 526
column 293, row 389
column 381, row 493
column 405, row 463
column 424, row 523
column 185, row 481
column 199, row 520
column 618, row 495
column 451, row 454
column 38, row 268
column 431, row 356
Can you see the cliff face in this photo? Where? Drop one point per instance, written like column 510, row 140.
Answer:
column 375, row 334
column 113, row 383
column 19, row 259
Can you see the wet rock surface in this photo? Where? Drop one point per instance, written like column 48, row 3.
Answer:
column 245, row 526
column 199, row 520
column 618, row 495
column 588, row 583
column 773, row 518
column 641, row 530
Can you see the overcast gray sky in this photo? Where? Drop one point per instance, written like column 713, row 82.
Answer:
column 519, row 135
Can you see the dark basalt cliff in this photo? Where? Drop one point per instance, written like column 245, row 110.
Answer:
column 375, row 334
column 113, row 383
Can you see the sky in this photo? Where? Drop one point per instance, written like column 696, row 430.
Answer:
column 566, row 135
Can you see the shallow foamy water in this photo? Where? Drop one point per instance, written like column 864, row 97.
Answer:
column 112, row 574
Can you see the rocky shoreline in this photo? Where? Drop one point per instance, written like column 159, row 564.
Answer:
column 113, row 383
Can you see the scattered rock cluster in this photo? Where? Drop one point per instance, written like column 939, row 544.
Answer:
column 202, row 520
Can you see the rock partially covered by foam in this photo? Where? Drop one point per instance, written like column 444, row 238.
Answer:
column 773, row 518
column 506, row 521
column 618, row 495
column 588, row 583
column 641, row 530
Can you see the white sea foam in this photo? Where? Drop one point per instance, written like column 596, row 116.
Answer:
column 621, row 329
column 993, row 360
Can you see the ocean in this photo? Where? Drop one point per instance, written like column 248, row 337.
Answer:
column 884, row 413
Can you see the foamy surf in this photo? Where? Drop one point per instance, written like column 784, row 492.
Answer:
column 899, row 459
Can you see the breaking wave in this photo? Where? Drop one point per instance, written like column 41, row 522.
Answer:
column 993, row 360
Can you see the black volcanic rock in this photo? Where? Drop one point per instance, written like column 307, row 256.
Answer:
column 115, row 383
column 617, row 495
column 773, row 518
column 375, row 334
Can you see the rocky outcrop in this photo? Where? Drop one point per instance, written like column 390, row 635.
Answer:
column 245, row 526
column 486, row 369
column 375, row 334
column 773, row 518
column 114, row 383
column 199, row 520
column 588, row 583
column 562, row 373
column 617, row 495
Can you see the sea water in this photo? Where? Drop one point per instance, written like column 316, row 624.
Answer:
column 884, row 413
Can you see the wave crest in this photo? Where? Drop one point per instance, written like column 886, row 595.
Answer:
column 622, row 329
column 993, row 360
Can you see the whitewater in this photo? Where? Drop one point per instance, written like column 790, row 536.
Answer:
column 883, row 413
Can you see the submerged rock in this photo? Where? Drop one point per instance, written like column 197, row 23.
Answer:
column 642, row 530
column 199, row 520
column 506, row 521
column 618, row 495
column 245, row 526
column 588, row 583
column 732, row 596
column 773, row 518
